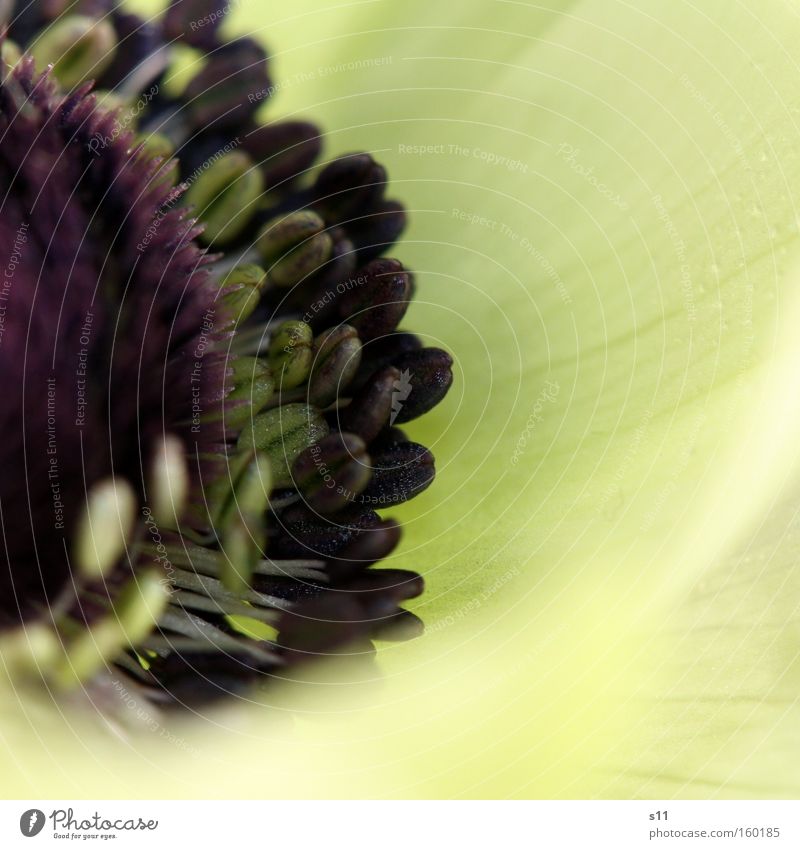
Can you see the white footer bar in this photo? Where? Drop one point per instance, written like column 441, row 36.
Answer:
column 402, row 824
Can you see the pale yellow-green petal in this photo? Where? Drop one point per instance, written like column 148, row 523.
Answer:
column 727, row 723
column 651, row 366
column 632, row 242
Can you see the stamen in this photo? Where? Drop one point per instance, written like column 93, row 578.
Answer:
column 133, row 615
column 105, row 527
column 169, row 486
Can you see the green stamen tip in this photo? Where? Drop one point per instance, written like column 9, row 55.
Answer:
column 242, row 528
column 290, row 353
column 156, row 145
column 131, row 618
column 169, row 487
column 78, row 47
column 337, row 356
column 294, row 246
column 224, row 196
column 105, row 527
column 10, row 54
column 241, row 291
column 218, row 492
column 253, row 387
column 159, row 147
column 281, row 434
column 29, row 650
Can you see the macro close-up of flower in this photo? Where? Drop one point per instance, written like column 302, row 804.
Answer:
column 264, row 398
column 400, row 400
